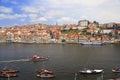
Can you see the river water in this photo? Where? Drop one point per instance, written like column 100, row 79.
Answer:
column 64, row 59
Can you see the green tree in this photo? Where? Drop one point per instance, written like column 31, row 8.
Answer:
column 63, row 40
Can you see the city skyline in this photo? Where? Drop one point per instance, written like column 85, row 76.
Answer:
column 22, row 12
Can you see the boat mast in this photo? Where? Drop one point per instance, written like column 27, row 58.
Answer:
column 8, row 76
column 75, row 78
column 102, row 76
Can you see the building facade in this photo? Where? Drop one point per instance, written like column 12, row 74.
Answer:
column 83, row 23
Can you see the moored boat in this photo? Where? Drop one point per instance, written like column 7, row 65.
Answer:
column 6, row 75
column 91, row 71
column 97, row 43
column 116, row 70
column 86, row 43
column 9, row 70
column 92, row 43
column 43, row 73
column 114, row 78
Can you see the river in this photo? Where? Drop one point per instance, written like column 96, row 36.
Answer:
column 64, row 59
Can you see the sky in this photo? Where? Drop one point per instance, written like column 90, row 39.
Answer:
column 23, row 12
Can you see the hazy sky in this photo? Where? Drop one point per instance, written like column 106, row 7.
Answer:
column 21, row 12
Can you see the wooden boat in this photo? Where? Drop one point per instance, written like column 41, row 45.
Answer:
column 43, row 73
column 116, row 70
column 114, row 78
column 89, row 71
column 6, row 75
column 9, row 70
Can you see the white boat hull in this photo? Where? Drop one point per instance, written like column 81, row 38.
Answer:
column 95, row 71
column 91, row 43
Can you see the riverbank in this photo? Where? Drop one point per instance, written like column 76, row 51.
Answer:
column 68, row 42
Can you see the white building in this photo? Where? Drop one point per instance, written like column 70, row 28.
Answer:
column 83, row 23
column 107, row 31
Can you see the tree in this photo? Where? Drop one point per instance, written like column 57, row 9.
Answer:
column 96, row 23
column 63, row 40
